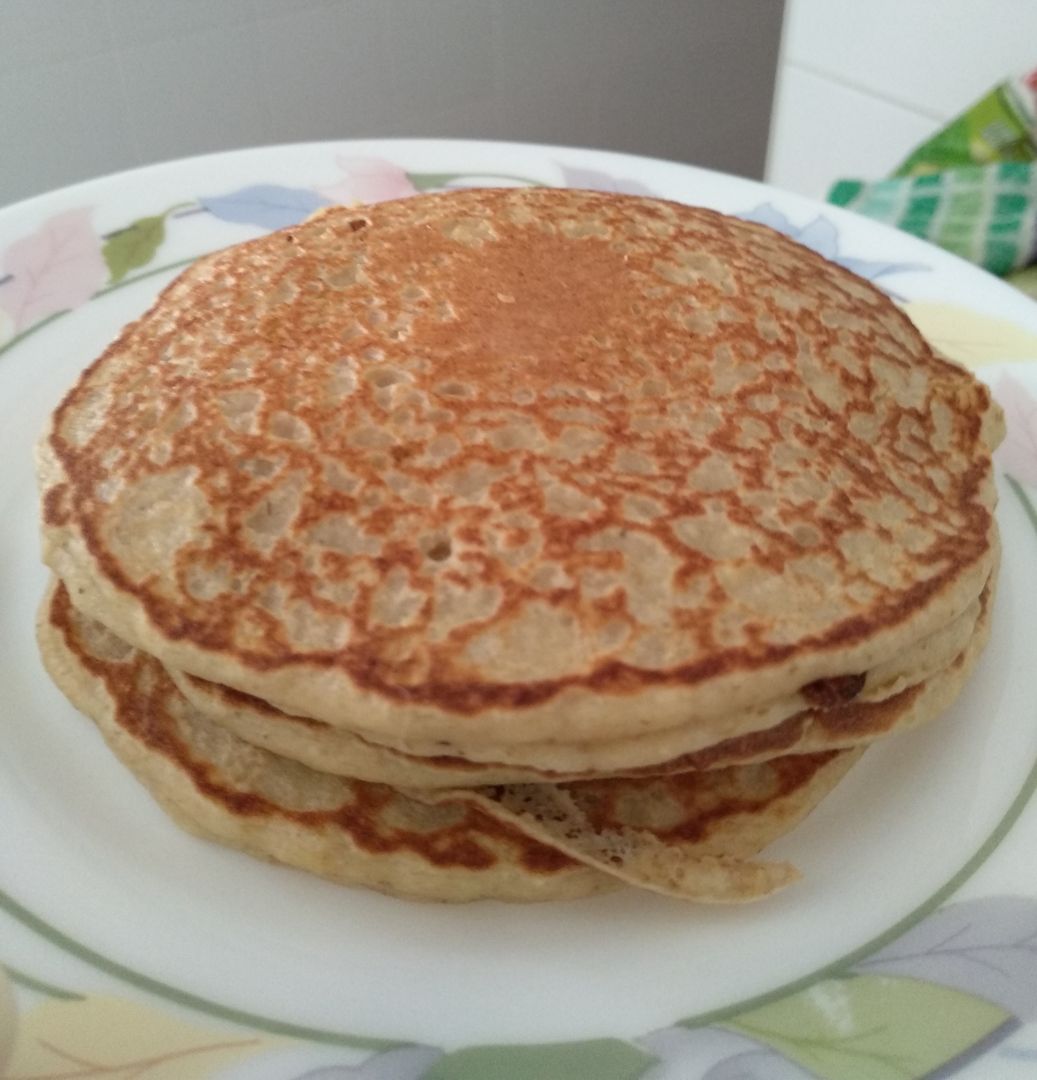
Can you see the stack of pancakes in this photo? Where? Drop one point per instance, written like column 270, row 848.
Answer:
column 515, row 543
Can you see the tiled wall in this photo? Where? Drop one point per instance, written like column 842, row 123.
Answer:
column 92, row 86
column 861, row 82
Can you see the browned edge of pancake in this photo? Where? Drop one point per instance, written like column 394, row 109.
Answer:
column 221, row 788
column 836, row 726
column 352, row 839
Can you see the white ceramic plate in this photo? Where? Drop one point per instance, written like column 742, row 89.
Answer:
column 909, row 949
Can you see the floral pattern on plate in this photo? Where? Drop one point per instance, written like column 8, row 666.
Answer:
column 958, row 984
column 64, row 263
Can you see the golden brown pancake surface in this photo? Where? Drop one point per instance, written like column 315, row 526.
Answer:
column 496, row 465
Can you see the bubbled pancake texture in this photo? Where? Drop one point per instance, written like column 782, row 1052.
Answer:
column 521, row 456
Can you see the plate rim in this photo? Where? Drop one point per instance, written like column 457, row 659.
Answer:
column 215, row 1009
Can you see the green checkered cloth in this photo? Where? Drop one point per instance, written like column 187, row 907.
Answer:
column 984, row 213
column 971, row 188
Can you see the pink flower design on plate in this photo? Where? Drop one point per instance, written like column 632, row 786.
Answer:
column 1017, row 455
column 58, row 267
column 574, row 176
column 368, row 180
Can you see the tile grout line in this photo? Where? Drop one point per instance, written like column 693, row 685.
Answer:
column 879, row 95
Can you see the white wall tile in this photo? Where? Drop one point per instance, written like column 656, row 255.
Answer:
column 936, row 56
column 824, row 131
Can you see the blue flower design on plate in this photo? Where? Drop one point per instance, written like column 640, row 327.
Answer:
column 822, row 236
column 270, row 206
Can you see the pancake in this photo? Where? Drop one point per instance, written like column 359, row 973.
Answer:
column 496, row 469
column 812, row 730
column 691, row 836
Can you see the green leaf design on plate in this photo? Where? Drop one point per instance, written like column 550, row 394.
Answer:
column 872, row 1027
column 426, row 181
column 598, row 1059
column 134, row 246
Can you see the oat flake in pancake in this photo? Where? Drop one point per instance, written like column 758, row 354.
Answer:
column 500, row 467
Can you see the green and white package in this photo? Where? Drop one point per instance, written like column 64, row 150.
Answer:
column 972, row 188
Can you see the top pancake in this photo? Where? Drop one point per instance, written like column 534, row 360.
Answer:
column 509, row 466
